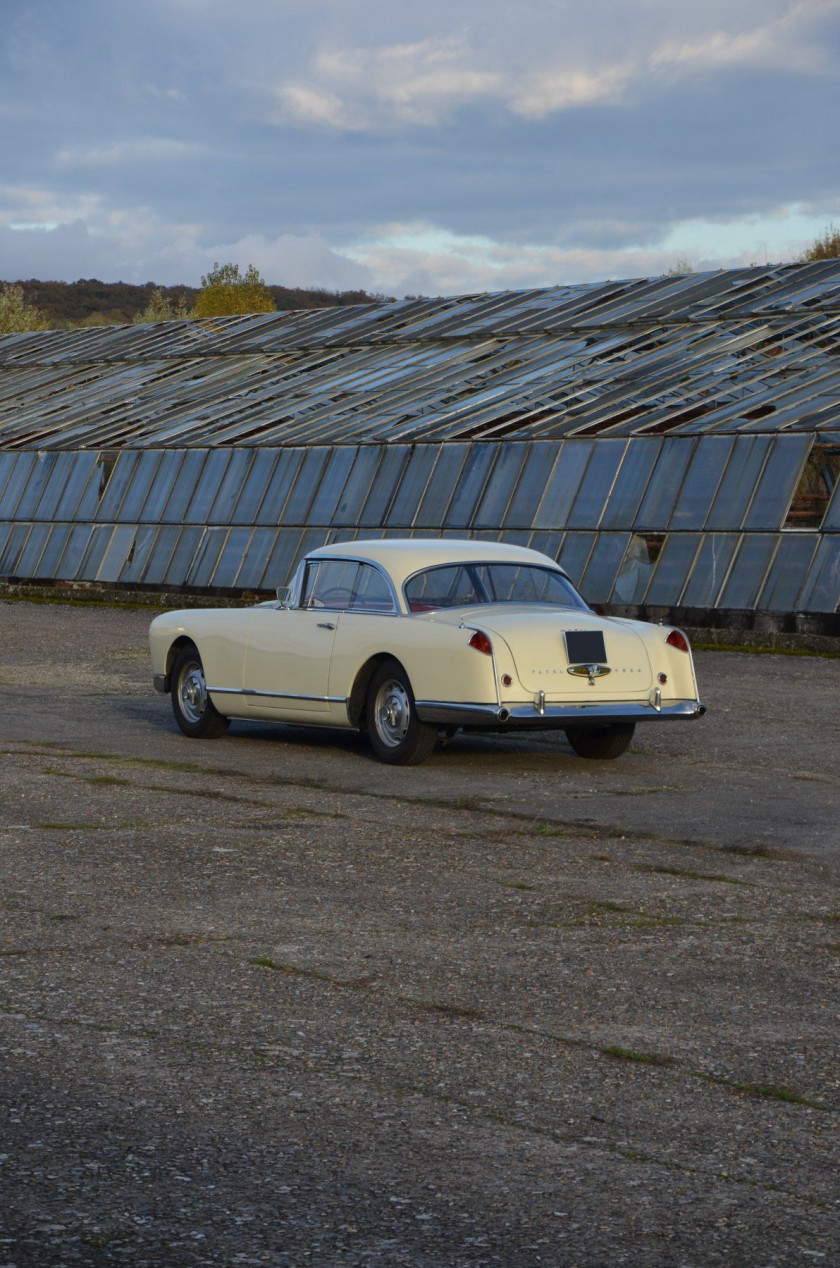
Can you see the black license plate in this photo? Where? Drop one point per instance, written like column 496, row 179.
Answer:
column 585, row 647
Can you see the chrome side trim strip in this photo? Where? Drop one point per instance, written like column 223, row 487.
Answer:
column 274, row 695
column 487, row 715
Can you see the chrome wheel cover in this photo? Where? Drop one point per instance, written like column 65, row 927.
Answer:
column 192, row 693
column 392, row 713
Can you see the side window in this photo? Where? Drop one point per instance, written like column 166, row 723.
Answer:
column 330, row 583
column 372, row 593
column 447, row 587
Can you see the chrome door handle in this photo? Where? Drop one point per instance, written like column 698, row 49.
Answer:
column 325, row 625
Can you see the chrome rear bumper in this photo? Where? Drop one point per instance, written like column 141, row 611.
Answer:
column 558, row 716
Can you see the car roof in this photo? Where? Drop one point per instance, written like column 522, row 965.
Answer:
column 402, row 556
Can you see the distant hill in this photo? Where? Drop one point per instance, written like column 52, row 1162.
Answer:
column 89, row 302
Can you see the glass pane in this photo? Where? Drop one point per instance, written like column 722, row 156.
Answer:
column 289, row 462
column 7, row 466
column 138, row 555
column 175, row 511
column 230, row 560
column 231, row 486
column 412, row 486
column 280, row 566
column 164, row 481
column 739, row 480
column 574, row 554
column 64, row 473
column 701, row 481
column 372, row 594
column 177, row 570
column 138, row 490
column 494, row 502
column 832, row 515
column 254, row 564
column 821, row 592
column 672, row 569
column 525, row 583
column 86, row 508
column 664, row 485
column 441, row 486
column 254, row 487
column 471, row 482
column 448, row 587
column 546, row 543
column 31, row 553
column 332, row 484
column 710, row 569
column 206, row 557
column 114, row 558
column 305, row 487
column 358, row 485
column 602, row 569
column 12, row 549
column 40, row 473
column 70, row 503
column 48, row 564
column 536, row 472
column 160, row 555
column 330, row 583
column 74, row 551
column 563, row 484
column 778, row 482
column 94, row 552
column 788, row 572
column 385, row 483
column 596, row 484
column 637, row 567
column 207, row 486
column 748, row 571
column 117, row 483
column 24, row 463
column 630, row 482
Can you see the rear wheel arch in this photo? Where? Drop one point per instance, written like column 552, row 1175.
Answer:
column 358, row 693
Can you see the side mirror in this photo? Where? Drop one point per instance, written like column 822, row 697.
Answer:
column 284, row 594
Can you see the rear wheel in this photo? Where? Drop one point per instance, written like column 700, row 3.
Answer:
column 603, row 742
column 397, row 735
column 194, row 711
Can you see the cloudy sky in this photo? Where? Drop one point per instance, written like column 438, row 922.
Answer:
column 431, row 146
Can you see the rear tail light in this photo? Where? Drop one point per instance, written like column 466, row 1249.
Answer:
column 481, row 643
column 677, row 639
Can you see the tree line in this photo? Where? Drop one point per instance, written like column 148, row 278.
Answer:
column 224, row 291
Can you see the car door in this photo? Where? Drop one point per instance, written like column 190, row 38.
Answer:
column 287, row 663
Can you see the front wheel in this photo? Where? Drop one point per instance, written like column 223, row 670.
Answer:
column 194, row 710
column 603, row 742
column 397, row 735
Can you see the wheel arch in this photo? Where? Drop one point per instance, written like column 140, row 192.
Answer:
column 359, row 690
column 174, row 650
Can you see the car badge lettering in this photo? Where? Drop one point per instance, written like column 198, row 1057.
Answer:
column 589, row 671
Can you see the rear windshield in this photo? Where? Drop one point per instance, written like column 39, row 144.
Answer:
column 461, row 585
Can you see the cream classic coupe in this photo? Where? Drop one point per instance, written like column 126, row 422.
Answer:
column 410, row 640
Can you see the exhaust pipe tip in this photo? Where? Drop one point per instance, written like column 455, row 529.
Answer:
column 503, row 715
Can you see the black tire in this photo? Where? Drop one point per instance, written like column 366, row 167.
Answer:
column 397, row 735
column 194, row 711
column 603, row 742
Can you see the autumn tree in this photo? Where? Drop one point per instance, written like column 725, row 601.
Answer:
column 226, row 292
column 161, row 308
column 15, row 313
column 826, row 247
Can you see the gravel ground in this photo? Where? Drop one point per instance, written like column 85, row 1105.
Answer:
column 265, row 1001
